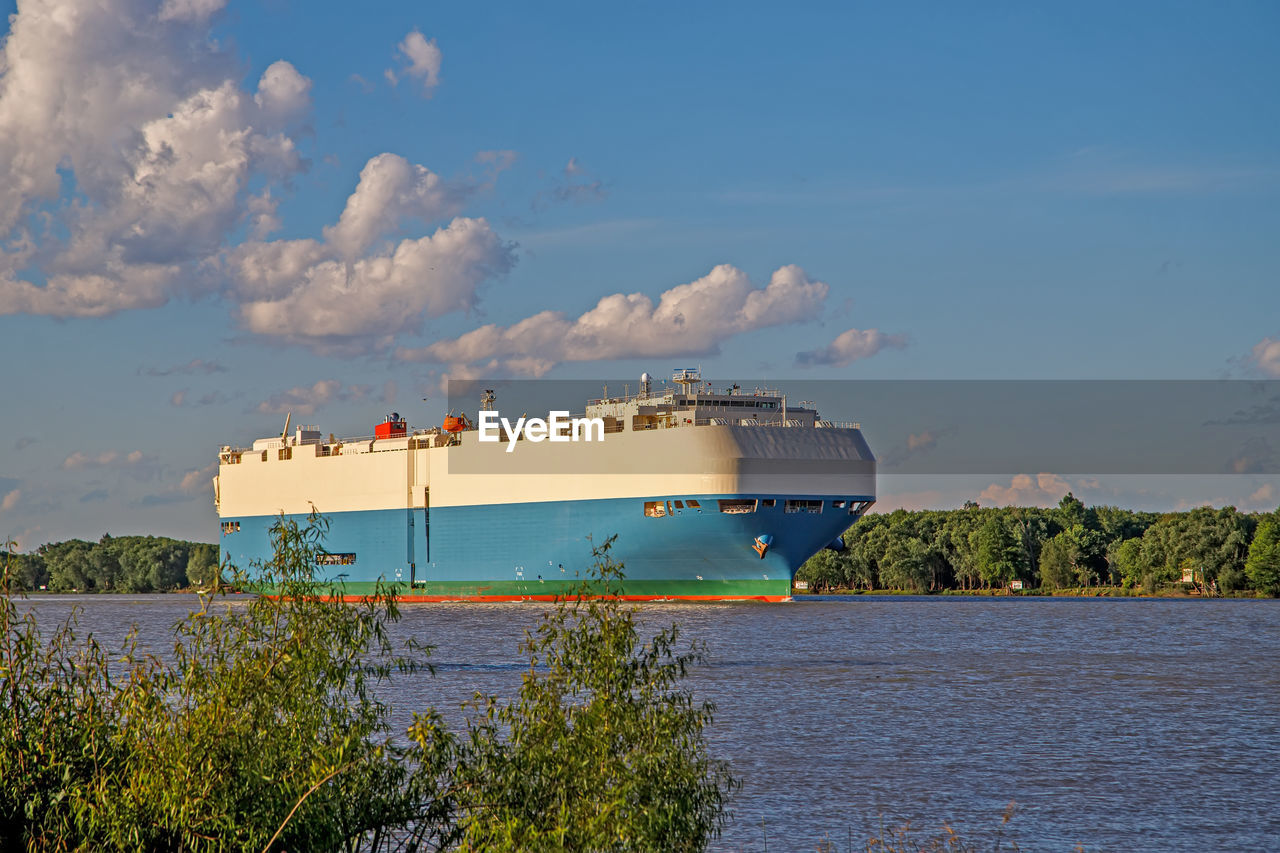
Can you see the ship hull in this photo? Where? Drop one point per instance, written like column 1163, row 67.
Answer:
column 539, row 551
column 711, row 512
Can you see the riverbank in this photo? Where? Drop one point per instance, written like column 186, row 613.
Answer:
column 1068, row 592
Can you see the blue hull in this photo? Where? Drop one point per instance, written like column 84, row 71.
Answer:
column 533, row 549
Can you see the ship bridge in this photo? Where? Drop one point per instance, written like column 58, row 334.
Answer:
column 693, row 402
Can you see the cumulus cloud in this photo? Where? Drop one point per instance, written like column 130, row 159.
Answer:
column 10, row 500
column 300, row 292
column 304, row 400
column 849, row 347
column 690, row 319
column 1266, row 356
column 420, row 59
column 353, row 291
column 139, row 107
column 1264, row 496
column 390, row 190
column 283, row 94
column 1024, row 490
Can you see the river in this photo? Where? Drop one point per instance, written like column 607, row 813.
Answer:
column 1115, row 724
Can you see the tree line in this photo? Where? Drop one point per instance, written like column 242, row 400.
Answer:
column 1070, row 545
column 116, row 564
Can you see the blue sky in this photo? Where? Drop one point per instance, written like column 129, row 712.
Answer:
column 213, row 213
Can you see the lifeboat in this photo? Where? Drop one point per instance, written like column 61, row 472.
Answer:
column 455, row 423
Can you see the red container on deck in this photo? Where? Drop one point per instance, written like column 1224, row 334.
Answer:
column 393, row 427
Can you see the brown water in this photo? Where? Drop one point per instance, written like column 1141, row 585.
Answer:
column 1115, row 724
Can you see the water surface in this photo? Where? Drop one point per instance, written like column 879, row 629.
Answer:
column 1116, row 724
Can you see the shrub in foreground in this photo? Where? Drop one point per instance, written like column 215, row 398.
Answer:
column 602, row 749
column 262, row 730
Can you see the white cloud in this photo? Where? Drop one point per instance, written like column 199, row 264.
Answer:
column 302, row 294
column 1024, row 490
column 690, row 319
column 197, row 480
column 1265, row 495
column 304, row 400
column 10, row 500
column 189, row 10
column 283, row 93
column 1266, row 355
column 106, row 459
column 849, row 347
column 140, row 108
column 390, row 189
column 263, row 219
column 423, row 58
column 121, row 287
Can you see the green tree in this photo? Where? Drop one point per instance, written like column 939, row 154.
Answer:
column 1056, row 559
column 202, row 565
column 998, row 553
column 824, row 571
column 1126, row 557
column 907, row 565
column 603, row 749
column 1263, row 564
column 69, row 565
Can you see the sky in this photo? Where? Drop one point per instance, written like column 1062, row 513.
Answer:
column 215, row 213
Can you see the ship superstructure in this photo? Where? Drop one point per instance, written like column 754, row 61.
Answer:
column 711, row 495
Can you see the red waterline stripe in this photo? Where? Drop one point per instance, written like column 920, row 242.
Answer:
column 440, row 599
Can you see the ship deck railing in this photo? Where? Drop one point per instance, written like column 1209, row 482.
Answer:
column 670, row 393
column 671, row 422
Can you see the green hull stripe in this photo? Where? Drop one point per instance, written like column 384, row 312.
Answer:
column 518, row 589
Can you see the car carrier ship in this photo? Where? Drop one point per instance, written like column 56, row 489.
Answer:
column 712, row 495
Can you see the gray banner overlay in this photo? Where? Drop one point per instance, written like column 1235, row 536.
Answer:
column 1095, row 427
